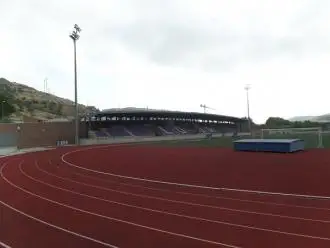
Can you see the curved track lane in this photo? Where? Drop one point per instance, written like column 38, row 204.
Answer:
column 58, row 204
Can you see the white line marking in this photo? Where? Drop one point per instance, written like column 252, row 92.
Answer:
column 115, row 219
column 56, row 227
column 196, row 194
column 317, row 197
column 176, row 201
column 3, row 245
column 49, row 224
column 174, row 214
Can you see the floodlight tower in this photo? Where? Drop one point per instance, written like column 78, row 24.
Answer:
column 75, row 36
column 247, row 88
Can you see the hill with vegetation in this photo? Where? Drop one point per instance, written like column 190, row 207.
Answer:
column 19, row 100
column 320, row 118
column 277, row 122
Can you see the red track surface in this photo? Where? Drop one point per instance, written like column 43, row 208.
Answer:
column 95, row 197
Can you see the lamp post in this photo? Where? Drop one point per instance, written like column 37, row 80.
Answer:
column 75, row 36
column 18, row 137
column 247, row 88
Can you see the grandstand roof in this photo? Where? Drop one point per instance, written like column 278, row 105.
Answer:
column 166, row 113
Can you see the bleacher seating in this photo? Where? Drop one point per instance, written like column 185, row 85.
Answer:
column 188, row 128
column 141, row 130
column 153, row 130
column 118, row 131
column 100, row 134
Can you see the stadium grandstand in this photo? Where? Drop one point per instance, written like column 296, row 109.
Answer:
column 132, row 122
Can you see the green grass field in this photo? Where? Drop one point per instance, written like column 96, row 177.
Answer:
column 214, row 142
column 311, row 141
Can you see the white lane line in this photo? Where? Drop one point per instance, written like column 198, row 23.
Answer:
column 56, row 227
column 314, row 197
column 114, row 219
column 182, row 202
column 49, row 224
column 170, row 213
column 3, row 245
column 270, row 203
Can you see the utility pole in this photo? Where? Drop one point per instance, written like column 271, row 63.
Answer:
column 45, row 85
column 247, row 88
column 75, row 36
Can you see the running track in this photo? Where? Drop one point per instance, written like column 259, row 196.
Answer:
column 144, row 197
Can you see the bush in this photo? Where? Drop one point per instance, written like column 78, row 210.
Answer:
column 59, row 109
column 29, row 106
column 52, row 107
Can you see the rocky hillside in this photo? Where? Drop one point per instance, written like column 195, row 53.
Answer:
column 30, row 102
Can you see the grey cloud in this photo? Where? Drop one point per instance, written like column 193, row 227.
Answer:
column 168, row 44
column 161, row 32
column 169, row 39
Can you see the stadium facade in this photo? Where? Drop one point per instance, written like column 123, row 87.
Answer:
column 150, row 122
column 113, row 123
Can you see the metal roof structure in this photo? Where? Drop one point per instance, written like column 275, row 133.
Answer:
column 130, row 112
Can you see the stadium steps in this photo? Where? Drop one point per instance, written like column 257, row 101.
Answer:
column 105, row 131
column 164, row 131
column 129, row 132
column 180, row 130
column 176, row 131
column 201, row 130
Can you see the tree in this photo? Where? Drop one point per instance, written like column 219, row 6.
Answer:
column 29, row 106
column 277, row 122
column 52, row 107
column 6, row 106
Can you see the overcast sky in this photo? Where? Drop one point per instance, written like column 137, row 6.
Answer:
column 176, row 54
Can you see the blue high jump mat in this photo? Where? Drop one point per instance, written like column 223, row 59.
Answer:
column 269, row 145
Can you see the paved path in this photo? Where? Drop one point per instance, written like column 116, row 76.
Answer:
column 6, row 151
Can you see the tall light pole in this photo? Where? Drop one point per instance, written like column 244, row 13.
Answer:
column 247, row 88
column 75, row 36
